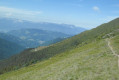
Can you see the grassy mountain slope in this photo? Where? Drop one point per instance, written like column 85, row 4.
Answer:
column 28, row 57
column 115, row 44
column 93, row 61
column 8, row 48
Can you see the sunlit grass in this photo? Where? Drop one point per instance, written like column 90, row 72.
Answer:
column 93, row 61
column 115, row 44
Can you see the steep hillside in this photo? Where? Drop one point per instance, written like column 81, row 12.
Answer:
column 30, row 57
column 93, row 61
column 115, row 44
column 7, row 48
column 15, row 24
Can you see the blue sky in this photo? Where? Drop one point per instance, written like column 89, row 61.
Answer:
column 83, row 13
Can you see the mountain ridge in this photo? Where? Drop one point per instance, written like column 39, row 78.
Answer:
column 14, row 24
column 36, row 37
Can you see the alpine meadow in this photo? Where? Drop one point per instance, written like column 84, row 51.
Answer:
column 42, row 40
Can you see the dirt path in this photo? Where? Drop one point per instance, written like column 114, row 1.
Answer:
column 111, row 48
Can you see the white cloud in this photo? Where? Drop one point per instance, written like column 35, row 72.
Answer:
column 17, row 13
column 95, row 8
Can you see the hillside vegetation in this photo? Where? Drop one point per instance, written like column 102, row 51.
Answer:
column 8, row 48
column 29, row 57
column 115, row 44
column 93, row 61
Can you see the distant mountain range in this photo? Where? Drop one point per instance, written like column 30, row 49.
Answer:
column 19, row 35
column 7, row 24
column 12, row 39
column 15, row 41
column 36, row 37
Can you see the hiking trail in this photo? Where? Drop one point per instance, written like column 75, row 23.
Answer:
column 111, row 48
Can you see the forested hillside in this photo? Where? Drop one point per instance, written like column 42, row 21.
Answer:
column 29, row 57
column 16, row 40
column 7, row 48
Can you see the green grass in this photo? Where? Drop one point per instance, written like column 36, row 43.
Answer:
column 115, row 44
column 93, row 61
